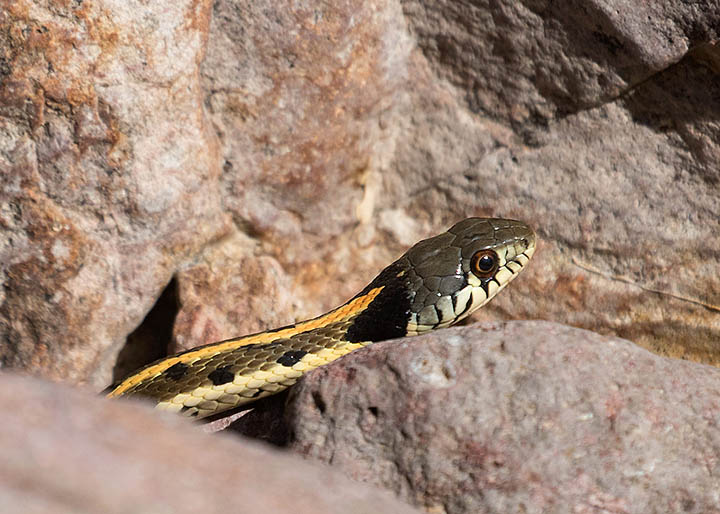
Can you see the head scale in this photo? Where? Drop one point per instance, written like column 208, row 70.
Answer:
column 444, row 279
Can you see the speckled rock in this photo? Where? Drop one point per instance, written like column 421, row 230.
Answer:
column 529, row 417
column 221, row 293
column 299, row 98
column 63, row 451
column 527, row 62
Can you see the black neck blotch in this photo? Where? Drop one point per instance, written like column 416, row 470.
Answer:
column 388, row 314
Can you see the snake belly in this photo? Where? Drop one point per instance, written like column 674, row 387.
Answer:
column 436, row 283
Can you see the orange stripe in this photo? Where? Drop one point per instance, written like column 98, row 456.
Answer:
column 348, row 310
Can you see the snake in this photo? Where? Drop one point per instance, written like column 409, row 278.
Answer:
column 436, row 283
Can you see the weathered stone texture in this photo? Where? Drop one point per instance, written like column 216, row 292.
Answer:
column 109, row 174
column 298, row 98
column 224, row 290
column 519, row 417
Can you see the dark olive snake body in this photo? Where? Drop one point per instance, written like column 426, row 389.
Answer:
column 436, row 283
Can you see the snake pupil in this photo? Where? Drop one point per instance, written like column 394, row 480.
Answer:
column 485, row 263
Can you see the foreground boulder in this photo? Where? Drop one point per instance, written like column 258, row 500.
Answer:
column 529, row 417
column 62, row 451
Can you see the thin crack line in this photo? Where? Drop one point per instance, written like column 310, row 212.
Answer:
column 626, row 280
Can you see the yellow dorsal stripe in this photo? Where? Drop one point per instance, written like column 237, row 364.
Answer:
column 345, row 311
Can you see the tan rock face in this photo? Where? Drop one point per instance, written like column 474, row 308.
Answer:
column 297, row 107
column 298, row 98
column 223, row 292
column 109, row 174
column 272, row 160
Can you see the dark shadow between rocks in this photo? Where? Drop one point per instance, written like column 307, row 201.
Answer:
column 150, row 340
column 265, row 422
column 683, row 100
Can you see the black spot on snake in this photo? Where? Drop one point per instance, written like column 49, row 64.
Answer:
column 291, row 357
column 176, row 371
column 221, row 376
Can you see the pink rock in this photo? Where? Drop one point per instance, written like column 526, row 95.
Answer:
column 64, row 451
column 520, row 417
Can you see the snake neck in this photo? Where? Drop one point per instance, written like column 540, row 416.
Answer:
column 387, row 316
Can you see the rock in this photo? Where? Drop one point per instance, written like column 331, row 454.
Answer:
column 591, row 121
column 298, row 97
column 109, row 175
column 529, row 62
column 271, row 161
column 530, row 417
column 227, row 291
column 64, row 451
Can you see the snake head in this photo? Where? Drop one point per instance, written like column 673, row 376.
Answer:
column 444, row 279
column 455, row 273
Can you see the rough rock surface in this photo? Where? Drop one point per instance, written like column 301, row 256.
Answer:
column 302, row 149
column 62, row 451
column 529, row 417
column 597, row 122
column 298, row 98
column 108, row 174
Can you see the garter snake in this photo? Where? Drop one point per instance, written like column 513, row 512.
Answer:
column 436, row 283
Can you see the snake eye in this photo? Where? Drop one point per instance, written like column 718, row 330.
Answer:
column 484, row 263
